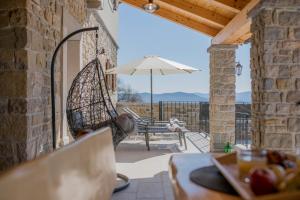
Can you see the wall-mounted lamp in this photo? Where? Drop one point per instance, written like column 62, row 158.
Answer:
column 238, row 68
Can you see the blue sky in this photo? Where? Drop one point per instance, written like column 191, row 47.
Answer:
column 143, row 34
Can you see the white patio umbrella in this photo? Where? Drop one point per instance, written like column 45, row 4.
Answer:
column 152, row 65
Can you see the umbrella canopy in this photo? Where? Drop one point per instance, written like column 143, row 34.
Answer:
column 152, row 65
column 158, row 65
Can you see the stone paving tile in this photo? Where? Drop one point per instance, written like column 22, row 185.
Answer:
column 167, row 184
column 124, row 195
column 150, row 190
column 148, row 170
column 169, row 197
column 167, row 187
column 166, row 180
column 168, row 190
column 133, row 187
column 155, row 179
column 168, row 193
column 151, row 199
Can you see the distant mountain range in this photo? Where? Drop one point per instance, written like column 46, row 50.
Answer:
column 244, row 97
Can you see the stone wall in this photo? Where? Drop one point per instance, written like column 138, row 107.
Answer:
column 13, row 102
column 29, row 32
column 105, row 42
column 222, row 95
column 275, row 72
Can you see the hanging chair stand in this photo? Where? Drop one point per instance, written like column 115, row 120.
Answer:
column 112, row 118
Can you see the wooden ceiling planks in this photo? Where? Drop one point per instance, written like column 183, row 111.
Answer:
column 238, row 30
column 224, row 20
column 233, row 5
column 199, row 11
column 214, row 7
column 175, row 15
column 178, row 11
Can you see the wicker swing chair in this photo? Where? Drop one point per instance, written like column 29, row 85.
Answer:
column 89, row 106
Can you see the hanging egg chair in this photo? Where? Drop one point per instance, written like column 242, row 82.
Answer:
column 89, row 106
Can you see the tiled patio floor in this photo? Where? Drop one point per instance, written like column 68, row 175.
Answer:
column 148, row 170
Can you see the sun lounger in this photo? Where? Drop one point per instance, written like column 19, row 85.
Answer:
column 146, row 126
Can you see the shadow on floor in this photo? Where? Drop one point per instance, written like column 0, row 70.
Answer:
column 157, row 187
column 134, row 152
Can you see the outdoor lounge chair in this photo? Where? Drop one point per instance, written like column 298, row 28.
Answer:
column 146, row 126
column 148, row 119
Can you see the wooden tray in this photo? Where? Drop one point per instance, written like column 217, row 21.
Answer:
column 227, row 165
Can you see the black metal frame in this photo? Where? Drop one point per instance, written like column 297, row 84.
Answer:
column 121, row 176
column 53, row 81
column 194, row 113
column 199, row 121
column 242, row 133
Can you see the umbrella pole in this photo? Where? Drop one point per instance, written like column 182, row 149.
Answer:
column 151, row 88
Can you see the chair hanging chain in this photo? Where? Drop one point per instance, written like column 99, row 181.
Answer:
column 97, row 51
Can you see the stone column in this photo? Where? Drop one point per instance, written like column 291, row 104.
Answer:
column 222, row 96
column 14, row 104
column 29, row 32
column 275, row 71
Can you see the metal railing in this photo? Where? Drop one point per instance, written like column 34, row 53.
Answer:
column 194, row 114
column 196, row 117
column 242, row 128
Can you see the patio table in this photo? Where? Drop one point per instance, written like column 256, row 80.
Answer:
column 180, row 167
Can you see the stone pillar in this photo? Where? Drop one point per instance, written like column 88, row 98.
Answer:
column 14, row 104
column 275, row 72
column 222, row 96
column 29, row 32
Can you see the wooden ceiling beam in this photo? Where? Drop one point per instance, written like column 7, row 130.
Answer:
column 232, row 5
column 238, row 30
column 203, row 13
column 166, row 13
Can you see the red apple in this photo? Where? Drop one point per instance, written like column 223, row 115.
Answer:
column 263, row 181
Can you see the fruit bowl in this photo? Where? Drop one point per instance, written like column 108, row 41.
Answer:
column 228, row 166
